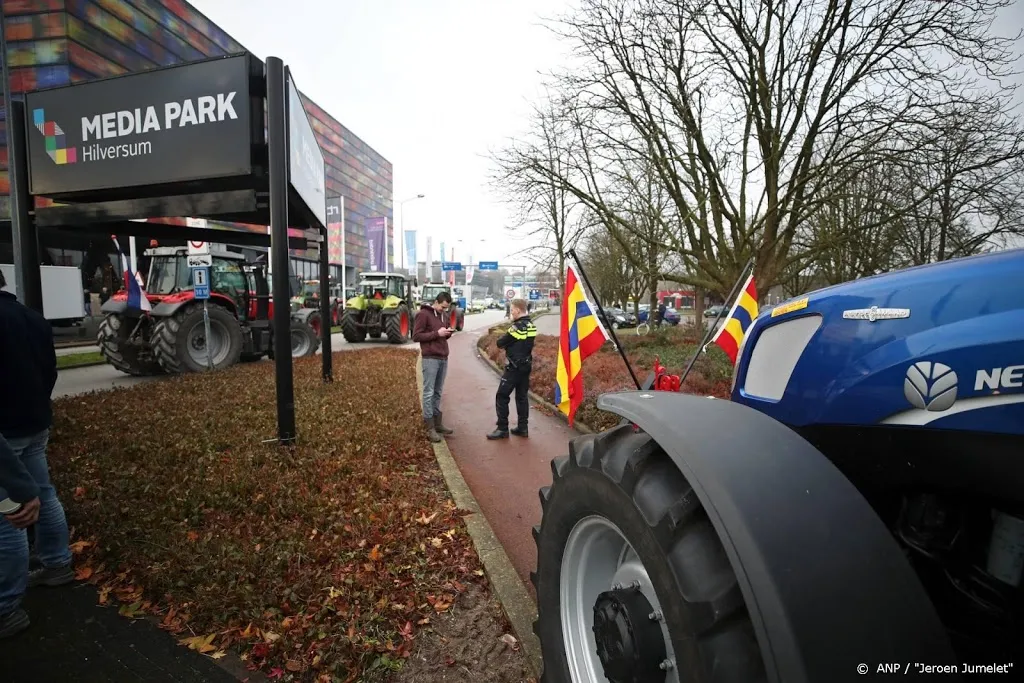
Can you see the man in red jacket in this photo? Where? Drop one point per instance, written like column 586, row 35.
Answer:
column 431, row 332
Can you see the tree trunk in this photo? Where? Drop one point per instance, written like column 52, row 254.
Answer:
column 698, row 307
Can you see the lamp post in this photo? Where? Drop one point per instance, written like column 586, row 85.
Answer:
column 401, row 226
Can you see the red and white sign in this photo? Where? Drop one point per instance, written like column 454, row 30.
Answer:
column 510, row 293
column 199, row 255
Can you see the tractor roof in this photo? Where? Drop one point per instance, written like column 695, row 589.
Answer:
column 181, row 251
column 376, row 273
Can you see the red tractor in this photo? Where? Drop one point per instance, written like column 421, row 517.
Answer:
column 172, row 338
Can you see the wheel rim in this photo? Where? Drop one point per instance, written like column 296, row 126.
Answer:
column 300, row 343
column 403, row 323
column 219, row 343
column 596, row 559
column 315, row 324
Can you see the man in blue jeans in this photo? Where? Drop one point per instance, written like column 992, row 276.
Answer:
column 28, row 366
column 431, row 330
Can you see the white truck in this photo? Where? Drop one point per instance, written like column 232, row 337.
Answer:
column 63, row 295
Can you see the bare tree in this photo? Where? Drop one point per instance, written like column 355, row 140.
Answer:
column 745, row 110
column 525, row 176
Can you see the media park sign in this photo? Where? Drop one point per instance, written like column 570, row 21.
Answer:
column 179, row 124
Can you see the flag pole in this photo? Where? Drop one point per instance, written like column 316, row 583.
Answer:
column 711, row 330
column 597, row 301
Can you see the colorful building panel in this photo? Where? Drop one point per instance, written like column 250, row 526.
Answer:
column 58, row 42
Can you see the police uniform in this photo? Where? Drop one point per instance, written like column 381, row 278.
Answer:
column 518, row 344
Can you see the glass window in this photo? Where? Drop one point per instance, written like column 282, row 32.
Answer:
column 228, row 278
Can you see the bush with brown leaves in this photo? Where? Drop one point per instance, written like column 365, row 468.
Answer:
column 315, row 562
column 605, row 371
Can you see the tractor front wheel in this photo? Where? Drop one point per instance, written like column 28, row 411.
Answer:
column 180, row 342
column 397, row 325
column 304, row 338
column 633, row 583
column 117, row 349
column 350, row 326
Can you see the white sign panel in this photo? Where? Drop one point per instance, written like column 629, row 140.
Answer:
column 305, row 160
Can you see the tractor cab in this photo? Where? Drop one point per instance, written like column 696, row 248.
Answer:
column 230, row 277
column 377, row 287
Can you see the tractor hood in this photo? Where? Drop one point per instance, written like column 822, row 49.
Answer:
column 940, row 345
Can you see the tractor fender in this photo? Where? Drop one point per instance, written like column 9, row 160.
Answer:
column 165, row 308
column 825, row 583
column 304, row 314
column 114, row 306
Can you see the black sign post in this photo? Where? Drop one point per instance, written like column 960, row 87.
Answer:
column 277, row 144
column 28, row 278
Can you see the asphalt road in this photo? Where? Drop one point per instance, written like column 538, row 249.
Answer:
column 101, row 377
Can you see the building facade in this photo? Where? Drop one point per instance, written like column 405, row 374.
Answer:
column 59, row 42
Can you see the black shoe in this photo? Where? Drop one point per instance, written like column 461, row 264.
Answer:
column 520, row 431
column 13, row 623
column 498, row 434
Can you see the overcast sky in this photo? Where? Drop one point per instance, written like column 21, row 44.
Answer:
column 431, row 85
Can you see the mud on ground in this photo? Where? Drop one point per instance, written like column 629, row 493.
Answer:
column 474, row 643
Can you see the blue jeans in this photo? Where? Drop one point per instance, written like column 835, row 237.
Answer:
column 434, row 370
column 52, row 541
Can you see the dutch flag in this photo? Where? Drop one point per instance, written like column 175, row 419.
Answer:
column 132, row 283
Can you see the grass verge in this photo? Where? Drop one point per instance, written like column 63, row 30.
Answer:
column 77, row 360
column 317, row 562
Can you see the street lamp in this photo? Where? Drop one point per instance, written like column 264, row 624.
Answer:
column 401, row 226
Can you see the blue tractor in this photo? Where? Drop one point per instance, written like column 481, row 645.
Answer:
column 856, row 510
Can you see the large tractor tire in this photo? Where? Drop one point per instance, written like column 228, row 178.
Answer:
column 633, row 583
column 398, row 325
column 350, row 327
column 304, row 338
column 179, row 341
column 112, row 339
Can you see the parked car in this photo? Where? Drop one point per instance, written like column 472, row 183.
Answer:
column 672, row 316
column 616, row 318
column 713, row 311
column 476, row 307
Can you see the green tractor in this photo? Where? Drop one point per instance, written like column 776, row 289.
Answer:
column 455, row 317
column 381, row 305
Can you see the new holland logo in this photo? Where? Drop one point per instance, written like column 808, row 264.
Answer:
column 930, row 386
column 55, row 140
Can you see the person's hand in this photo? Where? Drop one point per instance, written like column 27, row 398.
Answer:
column 444, row 333
column 26, row 516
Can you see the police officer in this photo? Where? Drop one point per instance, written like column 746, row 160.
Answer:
column 518, row 345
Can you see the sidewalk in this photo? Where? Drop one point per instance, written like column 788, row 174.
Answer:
column 74, row 640
column 505, row 475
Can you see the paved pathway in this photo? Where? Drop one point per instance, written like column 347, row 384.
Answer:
column 505, row 476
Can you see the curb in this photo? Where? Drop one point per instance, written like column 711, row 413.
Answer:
column 508, row 589
column 580, row 427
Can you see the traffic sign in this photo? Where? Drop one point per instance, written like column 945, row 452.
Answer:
column 450, row 265
column 534, row 295
column 201, row 282
column 510, row 293
column 199, row 254
column 488, row 265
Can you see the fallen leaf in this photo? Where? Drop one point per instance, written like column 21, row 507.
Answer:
column 292, row 665
column 424, row 520
column 193, row 536
column 375, row 553
column 436, row 542
column 511, row 641
column 441, row 605
column 83, row 573
column 219, row 654
column 78, row 546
